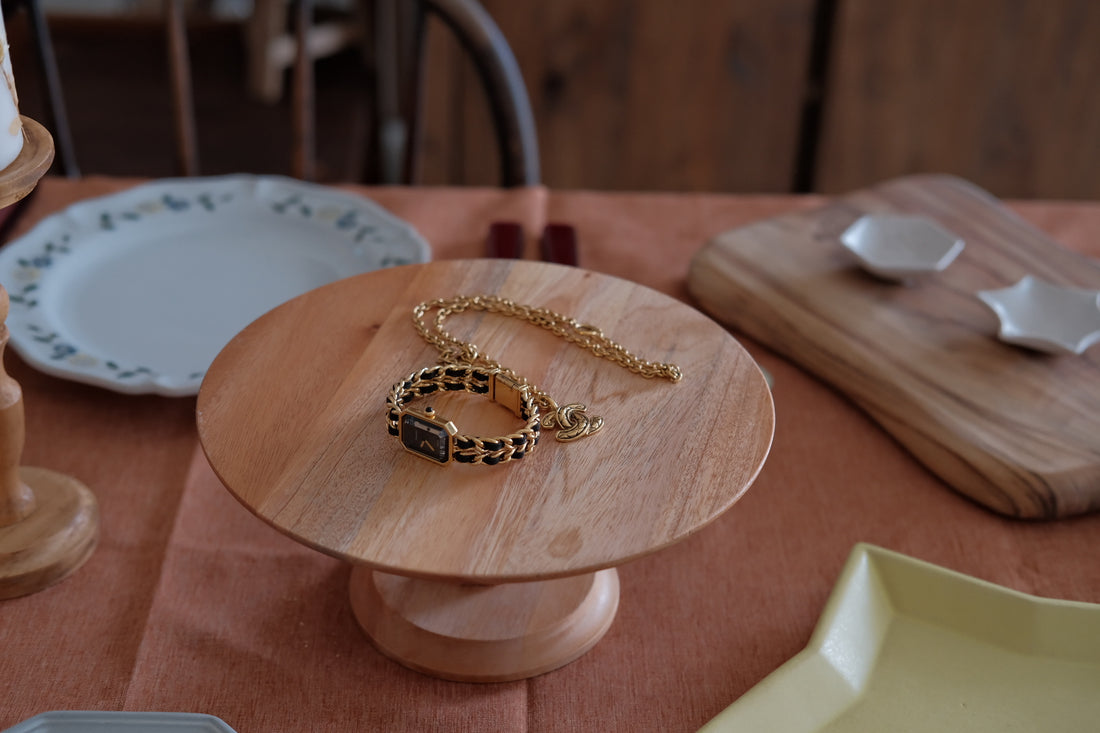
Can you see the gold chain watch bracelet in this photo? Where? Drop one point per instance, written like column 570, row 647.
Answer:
column 463, row 367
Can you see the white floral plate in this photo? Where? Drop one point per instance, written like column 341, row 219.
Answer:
column 903, row 645
column 138, row 291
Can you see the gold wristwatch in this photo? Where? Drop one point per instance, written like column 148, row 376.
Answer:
column 464, row 368
column 434, row 437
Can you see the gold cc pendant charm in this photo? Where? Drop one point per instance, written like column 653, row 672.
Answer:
column 572, row 422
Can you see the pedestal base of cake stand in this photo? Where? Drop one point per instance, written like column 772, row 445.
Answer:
column 484, row 633
column 54, row 539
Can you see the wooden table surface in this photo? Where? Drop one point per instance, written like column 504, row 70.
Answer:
column 191, row 603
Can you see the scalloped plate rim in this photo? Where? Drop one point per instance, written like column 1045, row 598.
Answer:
column 86, row 721
column 354, row 228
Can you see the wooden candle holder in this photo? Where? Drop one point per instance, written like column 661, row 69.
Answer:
column 49, row 522
column 21, row 177
column 476, row 572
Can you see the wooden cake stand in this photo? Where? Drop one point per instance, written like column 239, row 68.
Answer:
column 477, row 572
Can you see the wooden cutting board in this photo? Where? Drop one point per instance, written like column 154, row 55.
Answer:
column 1015, row 430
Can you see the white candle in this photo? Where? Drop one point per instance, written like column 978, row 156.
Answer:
column 11, row 127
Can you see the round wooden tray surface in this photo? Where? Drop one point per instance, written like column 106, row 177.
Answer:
column 20, row 178
column 292, row 418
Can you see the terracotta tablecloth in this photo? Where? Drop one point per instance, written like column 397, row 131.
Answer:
column 192, row 604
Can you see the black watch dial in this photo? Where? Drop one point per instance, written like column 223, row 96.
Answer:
column 425, row 438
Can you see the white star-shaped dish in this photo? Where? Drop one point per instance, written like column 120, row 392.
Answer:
column 1046, row 317
column 896, row 247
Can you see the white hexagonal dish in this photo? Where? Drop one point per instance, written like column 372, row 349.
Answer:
column 896, row 247
column 1046, row 317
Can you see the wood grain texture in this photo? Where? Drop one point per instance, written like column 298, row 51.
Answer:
column 16, row 498
column 629, row 95
column 20, row 178
column 291, row 416
column 478, row 633
column 1016, row 431
column 52, row 541
column 995, row 92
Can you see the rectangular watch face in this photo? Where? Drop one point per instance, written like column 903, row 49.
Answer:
column 425, row 438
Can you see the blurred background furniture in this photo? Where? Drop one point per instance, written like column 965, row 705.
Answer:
column 396, row 44
column 776, row 96
column 54, row 117
column 400, row 27
column 272, row 46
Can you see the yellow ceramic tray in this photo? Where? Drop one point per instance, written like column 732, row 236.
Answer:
column 905, row 645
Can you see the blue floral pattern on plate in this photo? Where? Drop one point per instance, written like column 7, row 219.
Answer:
column 334, row 232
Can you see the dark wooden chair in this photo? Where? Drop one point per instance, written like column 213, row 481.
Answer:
column 399, row 28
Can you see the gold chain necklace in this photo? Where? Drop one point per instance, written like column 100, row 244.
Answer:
column 464, row 367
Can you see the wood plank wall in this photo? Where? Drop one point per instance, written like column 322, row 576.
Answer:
column 1005, row 93
column 711, row 95
column 641, row 94
column 693, row 95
